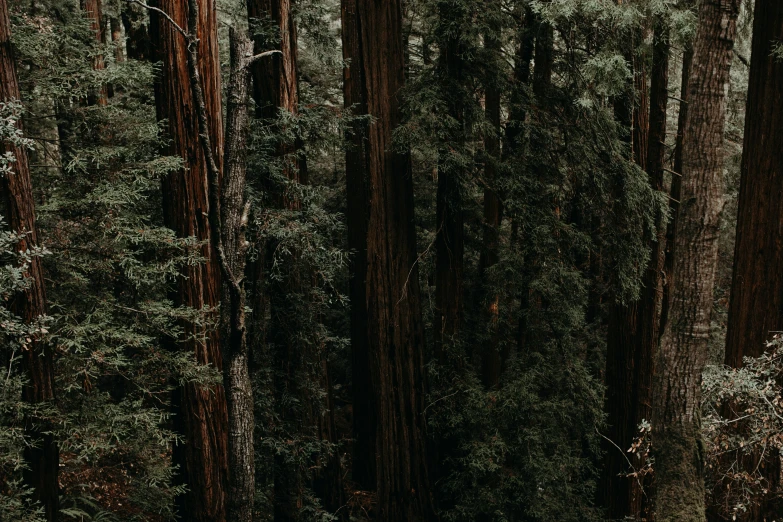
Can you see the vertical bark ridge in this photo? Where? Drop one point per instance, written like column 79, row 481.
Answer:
column 356, row 174
column 37, row 361
column 680, row 491
column 92, row 9
column 201, row 411
column 756, row 304
column 394, row 321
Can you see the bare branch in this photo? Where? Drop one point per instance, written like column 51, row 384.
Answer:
column 164, row 14
column 258, row 56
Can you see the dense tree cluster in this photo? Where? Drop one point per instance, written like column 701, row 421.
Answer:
column 394, row 260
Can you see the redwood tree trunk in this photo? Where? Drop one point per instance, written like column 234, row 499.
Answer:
column 756, row 306
column 201, row 414
column 93, row 10
column 449, row 220
column 356, row 172
column 676, row 187
column 43, row 458
column 679, row 458
column 630, row 352
column 276, row 88
column 394, row 321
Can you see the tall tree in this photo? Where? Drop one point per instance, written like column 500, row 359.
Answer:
column 676, row 184
column 42, row 458
column 630, row 405
column 392, row 299
column 679, row 457
column 93, row 10
column 756, row 305
column 449, row 219
column 228, row 216
column 356, row 169
column 276, row 93
column 201, row 410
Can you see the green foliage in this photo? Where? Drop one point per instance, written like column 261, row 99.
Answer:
column 742, row 426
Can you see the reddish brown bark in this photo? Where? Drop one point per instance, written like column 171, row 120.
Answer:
column 756, row 306
column 449, row 218
column 356, row 171
column 201, row 414
column 679, row 458
column 276, row 90
column 276, row 81
column 92, row 8
column 633, row 328
column 43, row 458
column 394, row 321
column 116, row 39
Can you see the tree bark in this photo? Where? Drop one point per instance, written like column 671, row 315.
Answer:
column 676, row 187
column 276, row 88
column 756, row 305
column 356, row 179
column 231, row 231
column 394, row 322
column 201, row 414
column 43, row 458
column 633, row 329
column 138, row 44
column 93, row 10
column 117, row 39
column 449, row 219
column 679, row 452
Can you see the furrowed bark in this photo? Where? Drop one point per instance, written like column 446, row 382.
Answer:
column 394, row 322
column 43, row 458
column 449, row 224
column 679, row 452
column 756, row 305
column 231, row 231
column 633, row 329
column 92, row 9
column 356, row 174
column 676, row 187
column 201, row 413
column 276, row 90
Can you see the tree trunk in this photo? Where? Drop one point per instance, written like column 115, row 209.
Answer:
column 356, row 173
column 138, row 44
column 43, row 458
column 231, row 231
column 449, row 220
column 117, row 40
column 93, row 10
column 394, row 320
column 201, row 414
column 276, row 88
column 676, row 188
column 679, row 455
column 633, row 328
column 492, row 358
column 756, row 306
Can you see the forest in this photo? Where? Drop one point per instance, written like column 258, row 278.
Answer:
column 391, row 260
